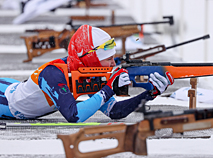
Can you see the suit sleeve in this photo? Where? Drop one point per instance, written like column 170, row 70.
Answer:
column 52, row 81
column 121, row 109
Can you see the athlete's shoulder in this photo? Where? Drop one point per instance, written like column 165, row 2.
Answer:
column 60, row 61
column 50, row 65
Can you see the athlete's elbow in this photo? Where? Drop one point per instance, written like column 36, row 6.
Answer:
column 72, row 119
column 116, row 115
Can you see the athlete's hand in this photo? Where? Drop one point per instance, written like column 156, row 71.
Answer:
column 160, row 83
column 123, row 78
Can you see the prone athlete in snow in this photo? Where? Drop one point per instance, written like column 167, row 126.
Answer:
column 46, row 90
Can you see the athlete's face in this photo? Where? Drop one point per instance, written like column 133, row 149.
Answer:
column 109, row 62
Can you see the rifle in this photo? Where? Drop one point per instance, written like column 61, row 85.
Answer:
column 177, row 70
column 132, row 138
column 135, row 68
column 144, row 53
column 48, row 40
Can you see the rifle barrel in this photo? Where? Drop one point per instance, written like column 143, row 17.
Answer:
column 170, row 22
column 145, row 23
column 196, row 39
column 139, row 62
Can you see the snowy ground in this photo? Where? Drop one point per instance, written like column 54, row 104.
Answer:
column 42, row 142
column 33, row 142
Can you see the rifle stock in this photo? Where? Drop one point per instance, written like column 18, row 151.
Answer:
column 115, row 131
column 177, row 70
column 46, row 41
column 132, row 138
column 79, row 84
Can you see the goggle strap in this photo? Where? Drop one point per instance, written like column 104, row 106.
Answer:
column 102, row 46
column 88, row 52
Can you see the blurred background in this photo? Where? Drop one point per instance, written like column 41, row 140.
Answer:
column 20, row 19
column 192, row 18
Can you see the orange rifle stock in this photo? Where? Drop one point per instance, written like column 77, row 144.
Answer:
column 79, row 84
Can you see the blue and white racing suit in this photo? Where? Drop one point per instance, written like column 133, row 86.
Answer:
column 46, row 91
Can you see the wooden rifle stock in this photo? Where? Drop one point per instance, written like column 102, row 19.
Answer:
column 132, row 138
column 128, row 137
column 46, row 41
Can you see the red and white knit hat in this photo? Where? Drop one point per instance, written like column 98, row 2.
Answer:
column 99, row 37
column 85, row 39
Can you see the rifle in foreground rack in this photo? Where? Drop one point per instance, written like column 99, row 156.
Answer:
column 144, row 53
column 132, row 138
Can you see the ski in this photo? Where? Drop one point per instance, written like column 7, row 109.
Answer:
column 59, row 124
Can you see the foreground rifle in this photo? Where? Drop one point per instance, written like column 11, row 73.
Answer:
column 49, row 40
column 144, row 53
column 132, row 138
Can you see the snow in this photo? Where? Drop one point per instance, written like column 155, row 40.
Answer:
column 31, row 147
column 180, row 146
column 171, row 146
column 170, row 101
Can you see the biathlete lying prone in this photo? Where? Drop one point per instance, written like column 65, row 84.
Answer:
column 46, row 90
